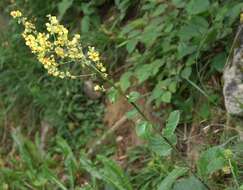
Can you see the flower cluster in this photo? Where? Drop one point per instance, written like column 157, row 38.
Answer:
column 53, row 48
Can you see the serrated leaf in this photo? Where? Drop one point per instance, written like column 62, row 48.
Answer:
column 168, row 182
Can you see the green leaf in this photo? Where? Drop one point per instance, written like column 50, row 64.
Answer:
column 197, row 6
column 85, row 24
column 113, row 174
column 185, row 49
column 168, row 182
column 143, row 129
column 132, row 113
column 179, row 3
column 218, row 62
column 172, row 123
column 186, row 72
column 143, row 72
column 159, row 146
column 190, row 183
column 159, row 10
column 63, row 6
column 166, row 97
column 113, row 94
column 134, row 96
column 131, row 45
column 211, row 161
column 87, row 165
column 125, row 81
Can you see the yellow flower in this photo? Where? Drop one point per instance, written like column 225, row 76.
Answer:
column 16, row 14
column 97, row 88
column 49, row 47
column 93, row 55
column 60, row 51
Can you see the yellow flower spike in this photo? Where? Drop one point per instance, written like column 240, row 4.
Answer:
column 54, row 45
column 16, row 14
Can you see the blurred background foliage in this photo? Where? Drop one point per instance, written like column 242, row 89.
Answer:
column 175, row 48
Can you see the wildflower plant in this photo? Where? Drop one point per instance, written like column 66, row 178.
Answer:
column 54, row 50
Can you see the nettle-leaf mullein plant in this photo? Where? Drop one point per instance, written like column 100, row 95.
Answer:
column 58, row 54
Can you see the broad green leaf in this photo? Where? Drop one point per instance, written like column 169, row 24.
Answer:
column 186, row 72
column 166, row 97
column 185, row 49
column 159, row 146
column 172, row 86
column 218, row 62
column 143, row 72
column 190, row 183
column 168, row 182
column 197, row 6
column 134, row 96
column 143, row 129
column 125, row 81
column 131, row 45
column 211, row 161
column 197, row 26
column 172, row 123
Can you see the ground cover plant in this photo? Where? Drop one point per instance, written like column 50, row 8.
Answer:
column 119, row 94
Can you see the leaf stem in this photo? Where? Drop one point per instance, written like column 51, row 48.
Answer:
column 91, row 66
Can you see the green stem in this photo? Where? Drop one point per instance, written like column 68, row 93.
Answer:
column 233, row 174
column 90, row 65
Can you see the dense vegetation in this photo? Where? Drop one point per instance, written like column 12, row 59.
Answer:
column 167, row 56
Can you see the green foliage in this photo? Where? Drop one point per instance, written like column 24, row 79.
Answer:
column 173, row 48
column 171, row 178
